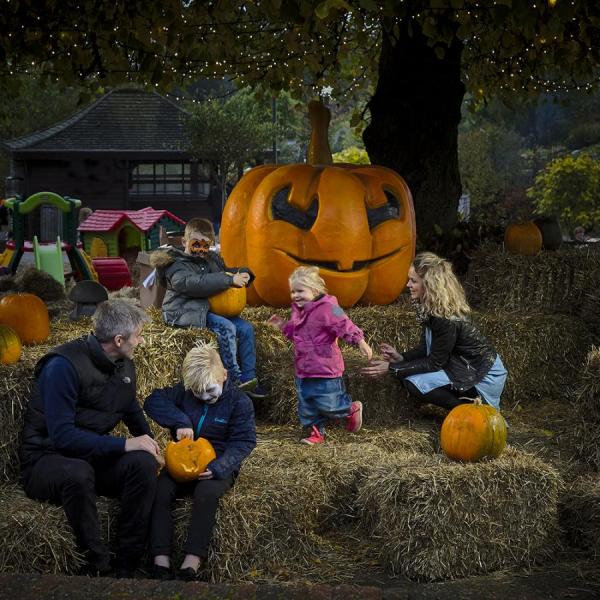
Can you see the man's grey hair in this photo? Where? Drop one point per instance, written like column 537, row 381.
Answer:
column 117, row 317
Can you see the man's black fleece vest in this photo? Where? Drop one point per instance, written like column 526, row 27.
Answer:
column 106, row 391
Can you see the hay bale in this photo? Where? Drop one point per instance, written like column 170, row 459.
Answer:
column 580, row 514
column 433, row 519
column 541, row 352
column 322, row 513
column 35, row 536
column 585, row 397
column 158, row 364
column 40, row 283
column 566, row 281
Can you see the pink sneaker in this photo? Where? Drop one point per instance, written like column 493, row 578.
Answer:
column 316, row 437
column 354, row 419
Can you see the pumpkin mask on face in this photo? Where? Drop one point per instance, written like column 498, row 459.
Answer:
column 355, row 222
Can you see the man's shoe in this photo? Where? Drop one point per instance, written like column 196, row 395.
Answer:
column 124, row 573
column 189, row 574
column 354, row 419
column 161, row 573
column 316, row 437
column 248, row 385
column 258, row 393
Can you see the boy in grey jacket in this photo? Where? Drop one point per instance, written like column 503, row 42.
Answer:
column 192, row 275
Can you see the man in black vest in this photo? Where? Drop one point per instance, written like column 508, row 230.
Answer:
column 83, row 389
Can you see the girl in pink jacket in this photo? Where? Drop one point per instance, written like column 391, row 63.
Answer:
column 316, row 323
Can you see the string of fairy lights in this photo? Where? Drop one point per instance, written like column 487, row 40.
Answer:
column 238, row 51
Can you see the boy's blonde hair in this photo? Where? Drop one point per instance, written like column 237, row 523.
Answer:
column 202, row 227
column 202, row 367
column 444, row 295
column 310, row 278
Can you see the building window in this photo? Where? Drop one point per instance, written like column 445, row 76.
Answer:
column 161, row 179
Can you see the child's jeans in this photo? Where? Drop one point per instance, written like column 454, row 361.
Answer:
column 321, row 399
column 229, row 330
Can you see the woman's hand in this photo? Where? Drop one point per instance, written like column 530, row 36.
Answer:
column 208, row 474
column 390, row 353
column 365, row 349
column 184, row 432
column 276, row 321
column 376, row 368
column 241, row 279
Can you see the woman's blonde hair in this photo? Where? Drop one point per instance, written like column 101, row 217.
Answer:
column 202, row 367
column 309, row 277
column 444, row 295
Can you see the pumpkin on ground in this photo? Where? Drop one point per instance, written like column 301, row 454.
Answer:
column 10, row 345
column 355, row 222
column 186, row 459
column 523, row 238
column 27, row 315
column 228, row 303
column 471, row 432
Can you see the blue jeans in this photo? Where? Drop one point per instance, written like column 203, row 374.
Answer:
column 321, row 399
column 229, row 330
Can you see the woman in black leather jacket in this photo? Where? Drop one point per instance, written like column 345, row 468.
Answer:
column 454, row 362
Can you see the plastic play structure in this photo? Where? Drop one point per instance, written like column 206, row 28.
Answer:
column 110, row 272
column 114, row 232
column 49, row 256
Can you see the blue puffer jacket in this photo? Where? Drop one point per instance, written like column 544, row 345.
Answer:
column 228, row 424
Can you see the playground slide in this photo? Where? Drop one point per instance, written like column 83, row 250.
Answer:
column 49, row 258
column 6, row 257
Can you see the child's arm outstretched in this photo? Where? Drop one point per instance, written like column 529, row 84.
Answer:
column 162, row 406
column 345, row 329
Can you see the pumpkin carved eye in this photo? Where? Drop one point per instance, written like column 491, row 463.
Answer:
column 282, row 210
column 386, row 212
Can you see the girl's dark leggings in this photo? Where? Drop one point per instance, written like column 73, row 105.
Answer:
column 442, row 396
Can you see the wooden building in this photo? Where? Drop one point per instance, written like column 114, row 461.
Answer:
column 125, row 151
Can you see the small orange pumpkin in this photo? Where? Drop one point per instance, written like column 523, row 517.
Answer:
column 186, row 459
column 523, row 238
column 471, row 432
column 228, row 303
column 27, row 315
column 10, row 345
column 355, row 222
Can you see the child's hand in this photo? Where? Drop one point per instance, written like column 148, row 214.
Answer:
column 184, row 432
column 365, row 349
column 276, row 321
column 208, row 474
column 241, row 279
column 390, row 353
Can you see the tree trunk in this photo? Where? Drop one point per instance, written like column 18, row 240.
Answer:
column 415, row 113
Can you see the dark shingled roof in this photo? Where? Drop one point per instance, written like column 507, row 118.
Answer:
column 123, row 119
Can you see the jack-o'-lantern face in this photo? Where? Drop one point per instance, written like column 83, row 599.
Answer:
column 356, row 223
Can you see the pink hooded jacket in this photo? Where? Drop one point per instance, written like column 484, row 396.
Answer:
column 314, row 330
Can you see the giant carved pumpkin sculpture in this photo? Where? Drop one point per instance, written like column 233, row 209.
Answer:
column 356, row 223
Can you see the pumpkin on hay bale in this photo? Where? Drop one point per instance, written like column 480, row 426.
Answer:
column 10, row 345
column 27, row 315
column 524, row 239
column 434, row 520
column 580, row 514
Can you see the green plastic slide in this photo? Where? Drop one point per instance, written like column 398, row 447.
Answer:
column 49, row 258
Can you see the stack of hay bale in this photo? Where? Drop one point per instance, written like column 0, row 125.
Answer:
column 385, row 495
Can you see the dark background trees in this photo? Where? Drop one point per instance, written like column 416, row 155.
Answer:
column 414, row 59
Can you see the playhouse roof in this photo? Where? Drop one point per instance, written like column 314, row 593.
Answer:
column 144, row 219
column 124, row 119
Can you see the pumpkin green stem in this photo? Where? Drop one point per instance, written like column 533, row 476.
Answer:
column 319, row 152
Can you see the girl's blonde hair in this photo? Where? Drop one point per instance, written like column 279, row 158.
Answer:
column 309, row 277
column 202, row 367
column 444, row 295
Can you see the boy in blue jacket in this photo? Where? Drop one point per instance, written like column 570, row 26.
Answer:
column 203, row 405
